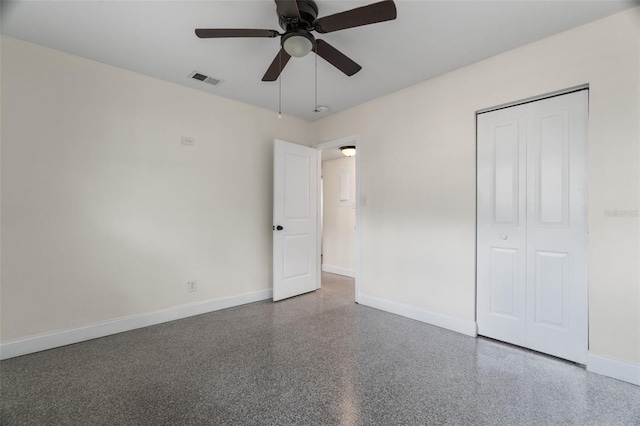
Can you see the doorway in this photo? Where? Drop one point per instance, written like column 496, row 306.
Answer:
column 532, row 288
column 339, row 210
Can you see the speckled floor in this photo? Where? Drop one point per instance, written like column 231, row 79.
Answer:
column 317, row 359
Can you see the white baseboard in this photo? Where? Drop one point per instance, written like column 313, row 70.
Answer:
column 419, row 314
column 55, row 339
column 625, row 371
column 338, row 270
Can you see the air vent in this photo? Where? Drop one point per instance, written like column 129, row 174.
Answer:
column 205, row 78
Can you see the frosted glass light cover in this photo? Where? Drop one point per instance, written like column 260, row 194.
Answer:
column 348, row 151
column 297, row 46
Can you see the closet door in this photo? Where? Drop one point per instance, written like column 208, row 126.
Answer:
column 532, row 226
column 501, row 251
column 557, row 288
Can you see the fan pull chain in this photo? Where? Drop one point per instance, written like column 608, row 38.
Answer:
column 280, row 85
column 315, row 108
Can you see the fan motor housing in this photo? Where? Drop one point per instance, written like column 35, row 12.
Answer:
column 308, row 13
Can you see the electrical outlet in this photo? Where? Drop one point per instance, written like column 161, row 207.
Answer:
column 192, row 286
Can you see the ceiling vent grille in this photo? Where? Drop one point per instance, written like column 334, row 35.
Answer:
column 205, row 78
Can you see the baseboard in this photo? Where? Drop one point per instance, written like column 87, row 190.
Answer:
column 339, row 271
column 450, row 323
column 56, row 339
column 625, row 371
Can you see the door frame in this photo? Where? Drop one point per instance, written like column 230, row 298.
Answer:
column 532, row 99
column 333, row 143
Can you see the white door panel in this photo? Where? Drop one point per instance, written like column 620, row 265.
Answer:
column 294, row 211
column 501, row 207
column 532, row 238
column 557, row 300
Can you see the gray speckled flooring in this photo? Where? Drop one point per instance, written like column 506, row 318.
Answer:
column 317, row 359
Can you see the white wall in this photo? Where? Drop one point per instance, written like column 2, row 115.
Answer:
column 339, row 219
column 105, row 214
column 418, row 175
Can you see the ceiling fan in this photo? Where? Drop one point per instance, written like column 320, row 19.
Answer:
column 298, row 18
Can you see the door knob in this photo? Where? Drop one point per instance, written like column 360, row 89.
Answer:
column 279, row 228
column 504, row 237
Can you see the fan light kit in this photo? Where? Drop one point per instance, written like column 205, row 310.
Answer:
column 298, row 43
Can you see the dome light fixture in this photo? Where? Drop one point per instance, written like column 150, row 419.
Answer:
column 349, row 150
column 298, row 43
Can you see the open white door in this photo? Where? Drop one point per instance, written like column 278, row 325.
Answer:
column 295, row 220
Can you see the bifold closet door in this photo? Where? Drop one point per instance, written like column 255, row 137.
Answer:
column 502, row 216
column 532, row 225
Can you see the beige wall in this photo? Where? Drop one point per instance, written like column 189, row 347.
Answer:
column 339, row 219
column 418, row 175
column 105, row 214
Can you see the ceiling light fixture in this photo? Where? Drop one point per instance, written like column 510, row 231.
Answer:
column 349, row 150
column 298, row 43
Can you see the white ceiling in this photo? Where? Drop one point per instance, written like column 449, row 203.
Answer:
column 429, row 38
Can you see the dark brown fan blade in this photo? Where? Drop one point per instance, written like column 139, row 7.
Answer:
column 234, row 32
column 288, row 9
column 365, row 15
column 336, row 58
column 276, row 66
